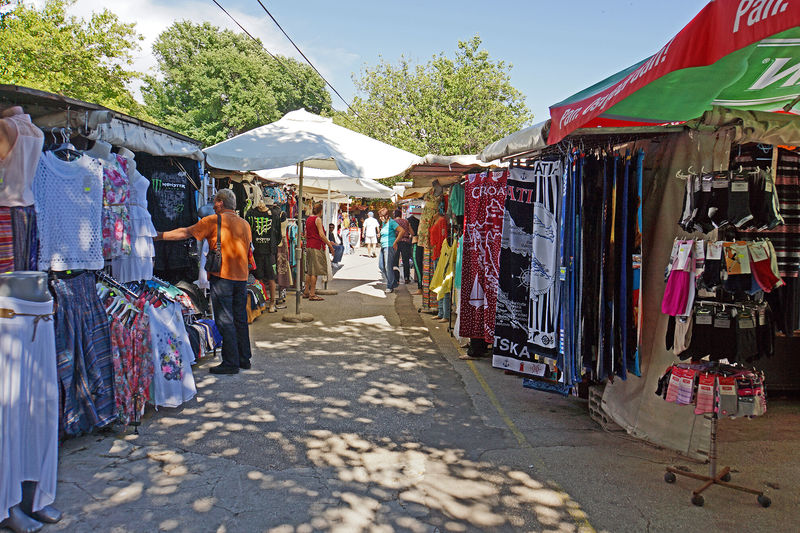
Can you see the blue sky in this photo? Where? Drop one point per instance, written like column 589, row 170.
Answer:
column 556, row 47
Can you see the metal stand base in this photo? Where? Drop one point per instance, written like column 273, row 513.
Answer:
column 296, row 318
column 714, row 478
column 327, row 292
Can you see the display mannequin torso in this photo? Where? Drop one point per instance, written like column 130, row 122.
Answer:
column 101, row 150
column 25, row 285
column 129, row 156
column 8, row 133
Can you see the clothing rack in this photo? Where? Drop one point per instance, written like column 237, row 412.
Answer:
column 106, row 278
column 720, row 478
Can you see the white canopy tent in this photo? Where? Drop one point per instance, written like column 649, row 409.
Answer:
column 309, row 140
column 324, row 179
column 316, row 141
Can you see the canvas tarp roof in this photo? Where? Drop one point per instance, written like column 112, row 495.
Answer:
column 54, row 110
column 519, row 142
column 446, row 169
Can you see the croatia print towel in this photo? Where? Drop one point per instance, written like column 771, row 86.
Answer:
column 484, row 196
column 527, row 296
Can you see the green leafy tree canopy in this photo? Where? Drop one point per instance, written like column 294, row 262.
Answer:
column 213, row 84
column 446, row 107
column 49, row 50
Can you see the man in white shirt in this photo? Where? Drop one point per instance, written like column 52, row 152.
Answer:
column 371, row 229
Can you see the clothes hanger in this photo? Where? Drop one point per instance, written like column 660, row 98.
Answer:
column 66, row 150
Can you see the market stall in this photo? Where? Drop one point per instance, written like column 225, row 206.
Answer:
column 440, row 183
column 87, row 324
column 626, row 142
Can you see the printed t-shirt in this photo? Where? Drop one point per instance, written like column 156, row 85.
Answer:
column 265, row 227
column 236, row 238
column 388, row 232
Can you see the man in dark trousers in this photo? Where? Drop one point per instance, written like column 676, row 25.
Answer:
column 229, row 285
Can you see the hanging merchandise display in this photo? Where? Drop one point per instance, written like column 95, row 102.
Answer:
column 83, row 351
column 429, row 212
column 131, row 352
column 485, row 195
column 610, row 250
column 569, row 353
column 76, row 215
column 171, row 202
column 714, row 390
column 69, row 194
column 526, row 327
column 138, row 264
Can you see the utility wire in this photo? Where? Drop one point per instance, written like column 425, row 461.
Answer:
column 273, row 56
column 304, row 57
column 281, row 63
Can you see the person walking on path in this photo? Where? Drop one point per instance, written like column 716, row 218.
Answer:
column 404, row 245
column 371, row 228
column 387, row 263
column 316, row 262
column 229, row 285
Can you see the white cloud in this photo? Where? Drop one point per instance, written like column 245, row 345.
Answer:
column 154, row 16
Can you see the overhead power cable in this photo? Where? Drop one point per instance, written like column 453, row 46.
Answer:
column 306, row 58
column 273, row 56
column 281, row 63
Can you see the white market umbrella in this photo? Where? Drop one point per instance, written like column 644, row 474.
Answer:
column 324, row 179
column 304, row 138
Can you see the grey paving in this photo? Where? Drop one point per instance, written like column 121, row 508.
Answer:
column 366, row 420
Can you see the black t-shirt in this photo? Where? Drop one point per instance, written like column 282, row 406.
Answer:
column 170, row 201
column 266, row 229
column 241, row 196
column 414, row 223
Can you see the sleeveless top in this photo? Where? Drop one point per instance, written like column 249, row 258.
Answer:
column 313, row 240
column 69, row 205
column 19, row 166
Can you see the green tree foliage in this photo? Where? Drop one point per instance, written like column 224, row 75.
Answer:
column 446, row 107
column 48, row 49
column 214, row 84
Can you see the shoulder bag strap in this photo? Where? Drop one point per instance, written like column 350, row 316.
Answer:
column 219, row 233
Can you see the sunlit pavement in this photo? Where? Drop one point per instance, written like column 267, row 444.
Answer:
column 366, row 420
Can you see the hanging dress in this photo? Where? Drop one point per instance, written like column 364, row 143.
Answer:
column 138, row 265
column 173, row 382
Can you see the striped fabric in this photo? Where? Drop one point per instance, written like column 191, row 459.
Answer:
column 83, row 352
column 6, row 241
column 26, row 238
column 429, row 301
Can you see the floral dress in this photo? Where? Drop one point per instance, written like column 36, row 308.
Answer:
column 131, row 355
column 116, row 221
column 142, row 352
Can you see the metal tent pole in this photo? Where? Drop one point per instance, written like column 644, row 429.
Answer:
column 325, row 291
column 298, row 316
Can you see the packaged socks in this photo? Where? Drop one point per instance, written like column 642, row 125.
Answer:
column 705, row 394
column 728, row 399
